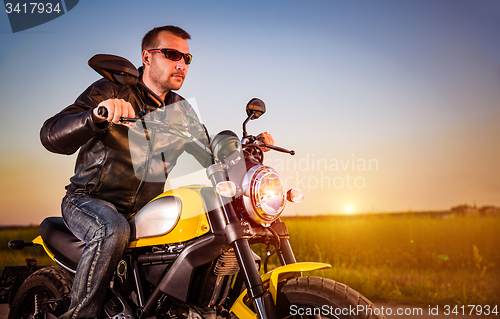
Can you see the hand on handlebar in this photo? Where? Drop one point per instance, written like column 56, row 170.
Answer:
column 116, row 109
column 266, row 138
column 266, row 142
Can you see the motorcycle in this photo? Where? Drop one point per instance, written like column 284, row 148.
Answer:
column 190, row 253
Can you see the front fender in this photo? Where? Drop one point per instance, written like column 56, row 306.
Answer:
column 271, row 280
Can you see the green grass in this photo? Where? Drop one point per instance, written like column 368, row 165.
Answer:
column 414, row 259
column 419, row 259
column 10, row 257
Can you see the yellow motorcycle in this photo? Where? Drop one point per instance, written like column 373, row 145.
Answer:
column 190, row 253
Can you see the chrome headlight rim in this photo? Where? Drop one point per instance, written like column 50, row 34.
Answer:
column 254, row 181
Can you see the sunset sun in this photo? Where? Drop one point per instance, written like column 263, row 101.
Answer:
column 348, row 209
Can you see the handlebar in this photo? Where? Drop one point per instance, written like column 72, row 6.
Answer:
column 279, row 149
column 102, row 111
column 260, row 142
column 252, row 141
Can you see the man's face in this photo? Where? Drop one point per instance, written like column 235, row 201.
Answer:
column 165, row 74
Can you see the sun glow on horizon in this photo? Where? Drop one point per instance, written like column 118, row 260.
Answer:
column 349, row 209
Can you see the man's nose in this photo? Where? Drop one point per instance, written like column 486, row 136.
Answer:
column 181, row 65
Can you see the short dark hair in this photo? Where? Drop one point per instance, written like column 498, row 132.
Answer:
column 150, row 40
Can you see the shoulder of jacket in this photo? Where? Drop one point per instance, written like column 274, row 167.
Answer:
column 105, row 86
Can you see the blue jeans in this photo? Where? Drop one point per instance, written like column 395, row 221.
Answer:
column 106, row 233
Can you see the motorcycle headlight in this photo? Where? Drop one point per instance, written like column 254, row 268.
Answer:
column 265, row 195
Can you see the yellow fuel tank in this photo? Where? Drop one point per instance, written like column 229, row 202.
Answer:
column 175, row 216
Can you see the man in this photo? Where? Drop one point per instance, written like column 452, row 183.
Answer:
column 105, row 188
column 108, row 184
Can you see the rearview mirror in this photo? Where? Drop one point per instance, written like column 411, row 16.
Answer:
column 256, row 107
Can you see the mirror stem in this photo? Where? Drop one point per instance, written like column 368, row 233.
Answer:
column 250, row 117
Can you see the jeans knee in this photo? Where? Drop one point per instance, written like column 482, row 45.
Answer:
column 119, row 230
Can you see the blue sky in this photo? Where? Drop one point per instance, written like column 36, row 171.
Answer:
column 413, row 86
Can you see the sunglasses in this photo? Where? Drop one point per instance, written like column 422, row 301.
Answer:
column 174, row 55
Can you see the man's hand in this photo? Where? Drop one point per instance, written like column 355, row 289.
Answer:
column 117, row 108
column 267, row 139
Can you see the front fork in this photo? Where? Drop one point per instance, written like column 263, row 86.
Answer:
column 262, row 299
column 238, row 233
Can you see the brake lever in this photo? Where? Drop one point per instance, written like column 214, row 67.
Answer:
column 277, row 148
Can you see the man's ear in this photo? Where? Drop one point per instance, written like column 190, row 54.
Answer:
column 146, row 58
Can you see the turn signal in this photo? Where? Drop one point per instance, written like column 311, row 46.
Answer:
column 295, row 195
column 226, row 189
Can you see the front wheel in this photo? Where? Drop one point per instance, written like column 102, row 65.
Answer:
column 315, row 297
column 43, row 284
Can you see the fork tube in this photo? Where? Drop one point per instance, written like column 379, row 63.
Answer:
column 217, row 173
column 285, row 252
column 262, row 299
column 247, row 265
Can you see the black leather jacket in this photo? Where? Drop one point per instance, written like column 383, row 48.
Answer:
column 127, row 167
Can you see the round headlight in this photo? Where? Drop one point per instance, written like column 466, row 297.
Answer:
column 264, row 195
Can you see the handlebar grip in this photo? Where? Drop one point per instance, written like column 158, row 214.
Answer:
column 280, row 149
column 102, row 111
column 277, row 148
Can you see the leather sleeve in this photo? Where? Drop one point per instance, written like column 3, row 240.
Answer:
column 68, row 130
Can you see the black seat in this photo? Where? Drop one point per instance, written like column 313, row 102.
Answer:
column 67, row 249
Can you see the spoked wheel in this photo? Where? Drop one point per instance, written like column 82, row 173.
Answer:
column 44, row 284
column 315, row 297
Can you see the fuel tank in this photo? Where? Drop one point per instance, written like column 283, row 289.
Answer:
column 175, row 216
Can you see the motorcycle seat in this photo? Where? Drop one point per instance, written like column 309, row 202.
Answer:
column 67, row 249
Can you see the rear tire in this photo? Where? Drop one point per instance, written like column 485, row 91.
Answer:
column 46, row 283
column 315, row 297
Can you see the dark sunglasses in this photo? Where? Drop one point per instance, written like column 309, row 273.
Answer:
column 174, row 55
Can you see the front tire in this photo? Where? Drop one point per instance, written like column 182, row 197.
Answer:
column 315, row 297
column 45, row 283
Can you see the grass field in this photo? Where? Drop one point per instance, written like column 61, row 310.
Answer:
column 10, row 257
column 416, row 259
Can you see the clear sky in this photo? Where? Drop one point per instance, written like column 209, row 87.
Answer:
column 389, row 105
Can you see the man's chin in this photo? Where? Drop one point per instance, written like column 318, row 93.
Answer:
column 176, row 85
